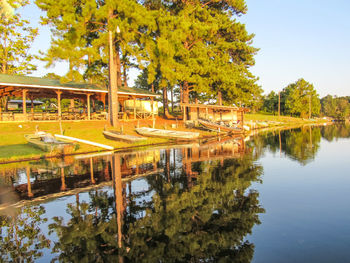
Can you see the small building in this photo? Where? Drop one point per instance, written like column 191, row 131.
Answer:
column 18, row 104
column 33, row 88
column 214, row 113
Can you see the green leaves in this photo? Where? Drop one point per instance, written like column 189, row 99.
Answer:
column 299, row 98
column 16, row 38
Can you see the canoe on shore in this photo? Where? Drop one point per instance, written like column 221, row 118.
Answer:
column 117, row 136
column 47, row 142
column 214, row 126
column 170, row 134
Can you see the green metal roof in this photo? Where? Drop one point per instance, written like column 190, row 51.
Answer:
column 26, row 80
column 134, row 90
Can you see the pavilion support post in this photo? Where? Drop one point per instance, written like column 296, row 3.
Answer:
column 71, row 107
column 24, row 103
column 232, row 115
column 88, row 106
column 103, row 99
column 0, row 108
column 59, row 104
column 93, row 104
column 152, row 107
column 206, row 114
column 134, row 108
column 185, row 113
column 32, row 107
column 242, row 118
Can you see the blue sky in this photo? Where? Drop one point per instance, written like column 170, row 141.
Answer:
column 297, row 39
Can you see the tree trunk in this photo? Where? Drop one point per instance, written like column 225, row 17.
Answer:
column 165, row 104
column 125, row 75
column 185, row 99
column 185, row 93
column 118, row 65
column 220, row 98
column 172, row 100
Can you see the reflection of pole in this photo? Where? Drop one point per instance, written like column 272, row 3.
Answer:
column 167, row 164
column 29, row 186
column 174, row 157
column 118, row 192
column 310, row 136
column 279, row 137
column 92, row 171
column 63, row 182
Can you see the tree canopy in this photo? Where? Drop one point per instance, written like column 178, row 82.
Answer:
column 16, row 38
column 198, row 46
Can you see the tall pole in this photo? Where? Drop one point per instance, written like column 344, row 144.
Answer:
column 24, row 103
column 113, row 87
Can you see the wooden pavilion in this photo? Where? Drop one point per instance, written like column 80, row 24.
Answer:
column 214, row 113
column 37, row 88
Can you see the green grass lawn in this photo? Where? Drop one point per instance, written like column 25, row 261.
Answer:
column 13, row 145
column 266, row 117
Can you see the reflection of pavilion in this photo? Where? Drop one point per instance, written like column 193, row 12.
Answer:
column 54, row 178
column 218, row 149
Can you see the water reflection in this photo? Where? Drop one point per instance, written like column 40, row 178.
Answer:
column 300, row 144
column 195, row 205
column 22, row 239
column 188, row 203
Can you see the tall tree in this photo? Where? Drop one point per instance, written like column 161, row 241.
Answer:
column 95, row 31
column 200, row 47
column 271, row 102
column 299, row 98
column 16, row 37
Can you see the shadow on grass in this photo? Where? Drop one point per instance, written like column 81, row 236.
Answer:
column 18, row 150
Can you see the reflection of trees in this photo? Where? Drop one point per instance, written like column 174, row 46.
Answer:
column 205, row 221
column 332, row 132
column 86, row 237
column 299, row 144
column 208, row 222
column 302, row 145
column 21, row 239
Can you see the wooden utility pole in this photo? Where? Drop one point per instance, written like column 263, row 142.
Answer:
column 24, row 103
column 113, row 85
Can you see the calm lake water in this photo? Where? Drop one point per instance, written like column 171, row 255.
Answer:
column 281, row 196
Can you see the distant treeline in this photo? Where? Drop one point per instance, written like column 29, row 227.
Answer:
column 300, row 99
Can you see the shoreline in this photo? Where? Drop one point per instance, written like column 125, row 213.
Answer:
column 93, row 131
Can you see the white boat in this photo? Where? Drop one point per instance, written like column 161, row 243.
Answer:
column 170, row 134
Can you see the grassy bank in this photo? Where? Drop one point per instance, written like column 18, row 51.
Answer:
column 13, row 145
column 272, row 120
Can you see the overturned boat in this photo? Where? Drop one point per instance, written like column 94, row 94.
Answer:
column 170, row 134
column 118, row 136
column 221, row 128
